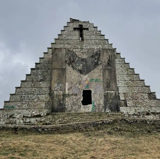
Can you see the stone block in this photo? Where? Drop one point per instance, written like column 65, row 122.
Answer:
column 118, row 56
column 49, row 50
column 70, row 35
column 122, row 60
column 120, row 66
column 111, row 101
column 134, row 89
column 58, row 58
column 32, row 91
column 45, row 61
column 43, row 66
column 85, row 46
column 37, row 72
column 26, row 105
column 39, row 78
column 35, row 84
column 86, row 32
column 87, row 37
column 124, row 71
column 75, row 36
column 130, row 83
column 79, row 43
column 126, row 77
column 143, row 102
column 133, row 96
column 127, row 110
column 18, row 98
column 130, row 71
column 47, row 56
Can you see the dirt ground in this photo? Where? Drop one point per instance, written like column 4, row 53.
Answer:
column 102, row 144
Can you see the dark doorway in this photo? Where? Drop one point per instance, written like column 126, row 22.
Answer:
column 87, row 97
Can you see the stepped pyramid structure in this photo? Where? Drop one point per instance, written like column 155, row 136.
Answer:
column 81, row 72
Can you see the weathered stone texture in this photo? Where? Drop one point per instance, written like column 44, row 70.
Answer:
column 27, row 104
column 144, row 103
column 77, row 62
column 118, row 56
column 132, row 91
column 35, row 84
column 130, row 83
column 32, row 91
column 21, row 98
column 140, row 110
column 124, row 89
column 77, row 83
column 79, row 46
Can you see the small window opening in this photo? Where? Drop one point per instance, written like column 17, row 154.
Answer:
column 87, row 97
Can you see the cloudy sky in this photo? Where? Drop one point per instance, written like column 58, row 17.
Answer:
column 27, row 28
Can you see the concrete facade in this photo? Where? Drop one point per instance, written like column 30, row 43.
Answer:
column 81, row 64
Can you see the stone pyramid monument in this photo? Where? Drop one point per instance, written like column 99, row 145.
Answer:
column 81, row 72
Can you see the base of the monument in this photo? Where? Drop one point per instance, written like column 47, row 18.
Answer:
column 83, row 122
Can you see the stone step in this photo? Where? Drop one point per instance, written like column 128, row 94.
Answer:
column 120, row 66
column 36, row 72
column 42, row 60
column 18, row 98
column 128, row 71
column 44, row 66
column 121, row 60
column 125, row 70
column 47, row 55
column 126, row 77
column 141, row 102
column 25, row 84
column 49, row 51
column 33, row 91
column 144, row 89
column 133, row 96
column 75, row 36
column 85, row 45
column 118, row 55
column 26, row 105
column 78, row 42
column 86, row 32
column 131, row 83
column 38, row 78
column 152, row 95
column 137, row 110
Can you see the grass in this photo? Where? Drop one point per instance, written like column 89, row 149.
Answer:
column 87, row 145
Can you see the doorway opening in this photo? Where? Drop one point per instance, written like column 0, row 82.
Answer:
column 87, row 97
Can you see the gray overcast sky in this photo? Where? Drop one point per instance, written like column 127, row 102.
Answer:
column 27, row 28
